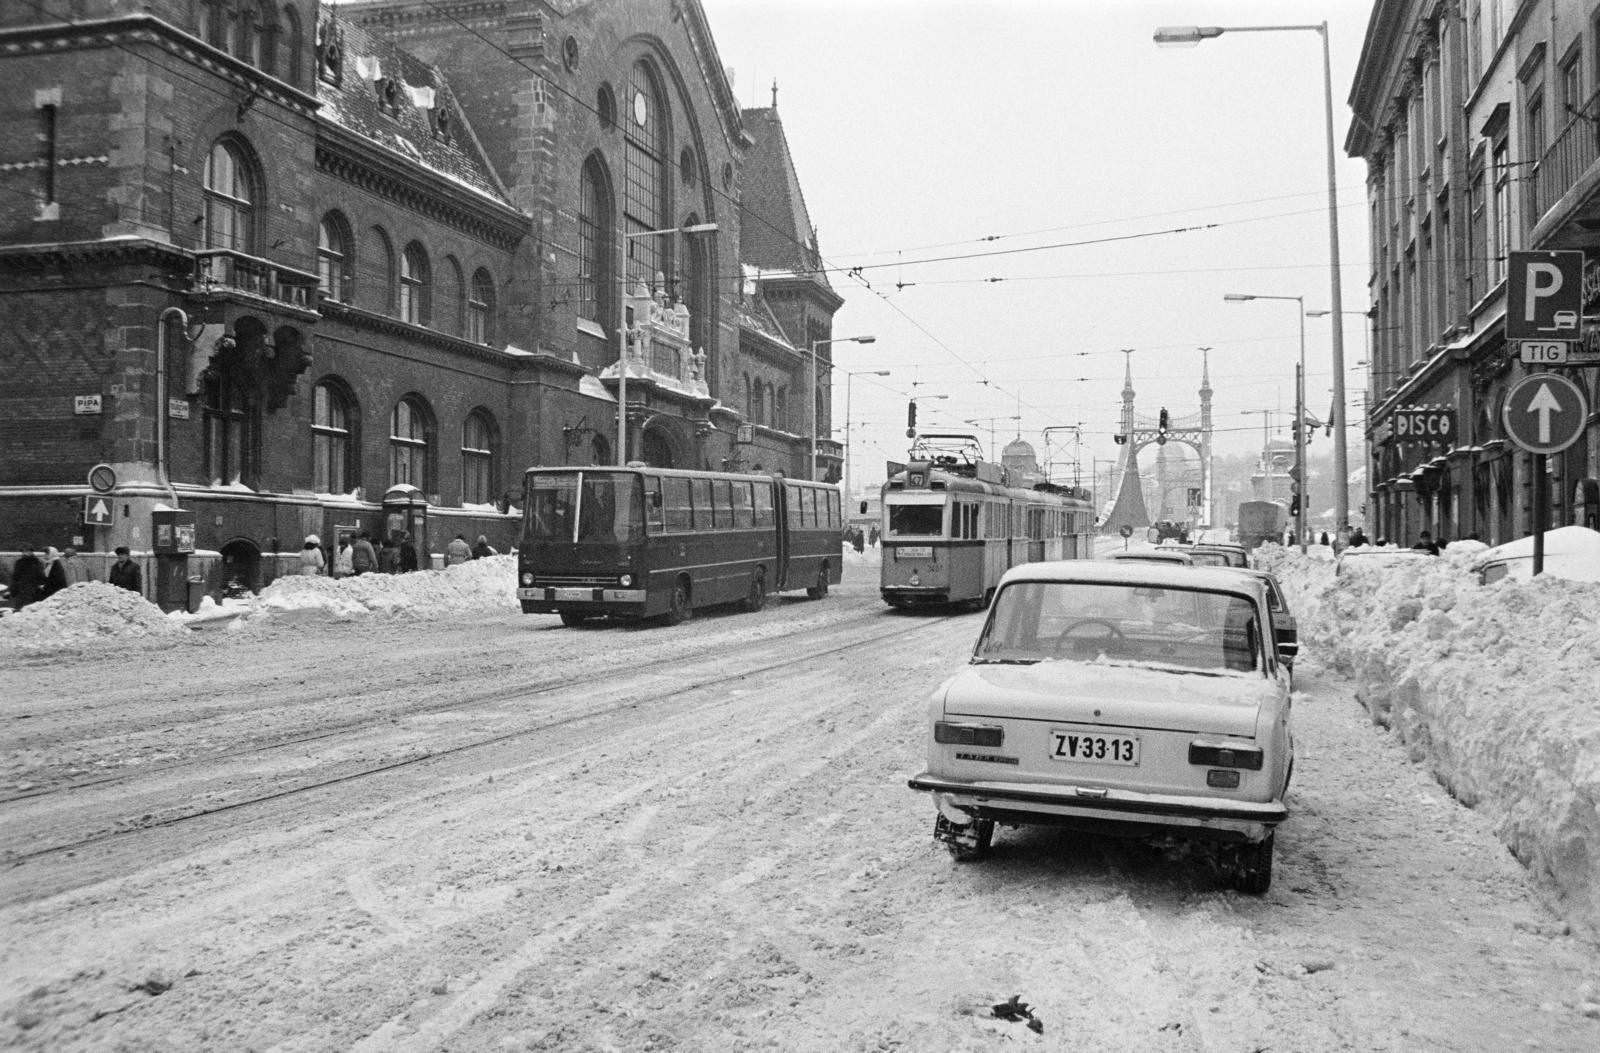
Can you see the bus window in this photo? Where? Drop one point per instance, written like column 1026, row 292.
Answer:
column 763, row 507
column 701, row 489
column 608, row 508
column 810, row 506
column 743, row 506
column 655, row 512
column 796, row 513
column 722, row 498
column 680, row 513
column 835, row 519
column 551, row 499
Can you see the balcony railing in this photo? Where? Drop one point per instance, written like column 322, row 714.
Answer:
column 227, row 271
column 1576, row 147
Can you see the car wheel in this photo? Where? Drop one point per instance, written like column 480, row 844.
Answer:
column 757, row 598
column 678, row 603
column 1252, row 870
column 573, row 618
column 820, row 589
column 968, row 842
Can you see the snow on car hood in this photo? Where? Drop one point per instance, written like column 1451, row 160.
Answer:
column 1112, row 693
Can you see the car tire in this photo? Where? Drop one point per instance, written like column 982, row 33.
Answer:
column 968, row 843
column 572, row 619
column 1252, row 868
column 757, row 597
column 678, row 603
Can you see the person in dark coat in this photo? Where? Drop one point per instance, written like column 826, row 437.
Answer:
column 388, row 557
column 27, row 578
column 483, row 548
column 363, row 557
column 124, row 573
column 1358, row 537
column 408, row 554
column 55, row 575
column 1425, row 543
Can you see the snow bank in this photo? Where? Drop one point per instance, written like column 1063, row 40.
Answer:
column 479, row 585
column 1495, row 688
column 85, row 612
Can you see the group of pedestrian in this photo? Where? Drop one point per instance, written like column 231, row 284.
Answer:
column 34, row 578
column 860, row 539
column 355, row 555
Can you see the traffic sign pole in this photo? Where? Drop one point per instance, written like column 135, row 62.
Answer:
column 1541, row 510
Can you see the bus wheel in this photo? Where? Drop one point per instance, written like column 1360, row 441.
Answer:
column 820, row 589
column 757, row 598
column 678, row 604
column 572, row 618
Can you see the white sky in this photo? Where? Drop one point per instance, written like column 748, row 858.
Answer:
column 921, row 127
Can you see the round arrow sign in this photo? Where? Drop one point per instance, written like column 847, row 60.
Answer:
column 1544, row 413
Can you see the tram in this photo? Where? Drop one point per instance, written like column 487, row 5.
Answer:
column 953, row 523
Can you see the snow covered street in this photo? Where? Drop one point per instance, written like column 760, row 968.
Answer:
column 395, row 814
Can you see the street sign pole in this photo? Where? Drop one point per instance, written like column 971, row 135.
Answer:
column 1541, row 511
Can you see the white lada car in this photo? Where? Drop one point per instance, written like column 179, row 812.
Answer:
column 1118, row 697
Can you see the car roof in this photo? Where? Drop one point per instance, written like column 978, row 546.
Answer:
column 1133, row 572
column 1150, row 555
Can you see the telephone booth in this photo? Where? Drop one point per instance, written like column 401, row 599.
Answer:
column 173, row 531
column 405, row 512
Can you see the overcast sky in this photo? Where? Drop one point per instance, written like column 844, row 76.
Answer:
column 1118, row 190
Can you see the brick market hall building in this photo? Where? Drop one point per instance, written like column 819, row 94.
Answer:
column 275, row 268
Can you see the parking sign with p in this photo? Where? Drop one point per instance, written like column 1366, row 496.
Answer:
column 1544, row 296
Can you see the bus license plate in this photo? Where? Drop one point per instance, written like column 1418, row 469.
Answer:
column 1088, row 748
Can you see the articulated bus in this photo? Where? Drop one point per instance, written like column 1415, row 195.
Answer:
column 950, row 529
column 641, row 542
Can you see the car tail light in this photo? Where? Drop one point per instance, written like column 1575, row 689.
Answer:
column 1214, row 755
column 967, row 734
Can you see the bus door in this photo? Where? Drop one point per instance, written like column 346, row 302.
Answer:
column 782, row 496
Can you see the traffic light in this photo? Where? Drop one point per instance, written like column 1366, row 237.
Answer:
column 1165, row 421
column 911, row 414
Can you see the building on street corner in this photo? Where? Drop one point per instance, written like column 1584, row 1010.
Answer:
column 1478, row 125
column 290, row 268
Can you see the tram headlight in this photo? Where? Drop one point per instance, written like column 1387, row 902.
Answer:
column 527, row 579
column 626, row 581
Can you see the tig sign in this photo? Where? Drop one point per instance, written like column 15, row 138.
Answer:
column 1424, row 424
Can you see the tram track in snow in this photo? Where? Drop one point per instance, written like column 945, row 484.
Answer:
column 756, row 660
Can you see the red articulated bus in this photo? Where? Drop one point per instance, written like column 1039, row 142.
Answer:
column 641, row 542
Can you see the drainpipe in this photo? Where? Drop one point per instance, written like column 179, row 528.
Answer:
column 162, row 475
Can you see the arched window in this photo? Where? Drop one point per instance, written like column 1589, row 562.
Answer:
column 452, row 315
column 596, row 238
column 746, row 402
column 410, row 439
column 380, row 297
column 480, row 308
column 695, row 292
column 480, row 441
column 335, row 266
column 332, row 444
column 416, row 286
column 758, row 404
column 229, row 193
column 645, row 198
column 255, row 33
column 290, row 41
column 780, row 408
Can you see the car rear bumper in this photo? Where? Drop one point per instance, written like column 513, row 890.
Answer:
column 1069, row 805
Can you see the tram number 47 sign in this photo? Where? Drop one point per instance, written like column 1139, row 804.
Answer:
column 1544, row 413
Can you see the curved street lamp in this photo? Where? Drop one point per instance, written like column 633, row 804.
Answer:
column 814, row 345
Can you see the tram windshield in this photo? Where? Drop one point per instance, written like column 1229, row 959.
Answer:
column 587, row 506
column 916, row 520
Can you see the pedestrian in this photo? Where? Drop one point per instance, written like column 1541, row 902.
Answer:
column 27, row 578
column 344, row 558
column 77, row 569
column 124, row 573
column 311, row 558
column 388, row 557
column 408, row 554
column 458, row 551
column 1426, row 544
column 872, row 536
column 483, row 548
column 1324, row 539
column 1358, row 537
column 363, row 558
column 858, row 540
column 55, row 575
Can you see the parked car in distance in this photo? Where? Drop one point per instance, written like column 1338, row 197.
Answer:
column 1369, row 559
column 1571, row 552
column 1285, row 627
column 1217, row 554
column 1118, row 697
column 1170, row 556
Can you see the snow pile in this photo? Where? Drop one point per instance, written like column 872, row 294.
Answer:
column 480, row 585
column 1495, row 688
column 88, row 611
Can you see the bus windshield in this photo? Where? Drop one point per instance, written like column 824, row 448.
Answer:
column 595, row 506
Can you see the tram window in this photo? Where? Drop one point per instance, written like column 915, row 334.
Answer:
column 700, row 490
column 916, row 520
column 763, row 508
column 743, row 508
column 679, row 511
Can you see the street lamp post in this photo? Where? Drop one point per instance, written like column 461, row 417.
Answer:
column 849, row 494
column 622, row 329
column 814, row 345
column 1299, row 415
column 1189, row 36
